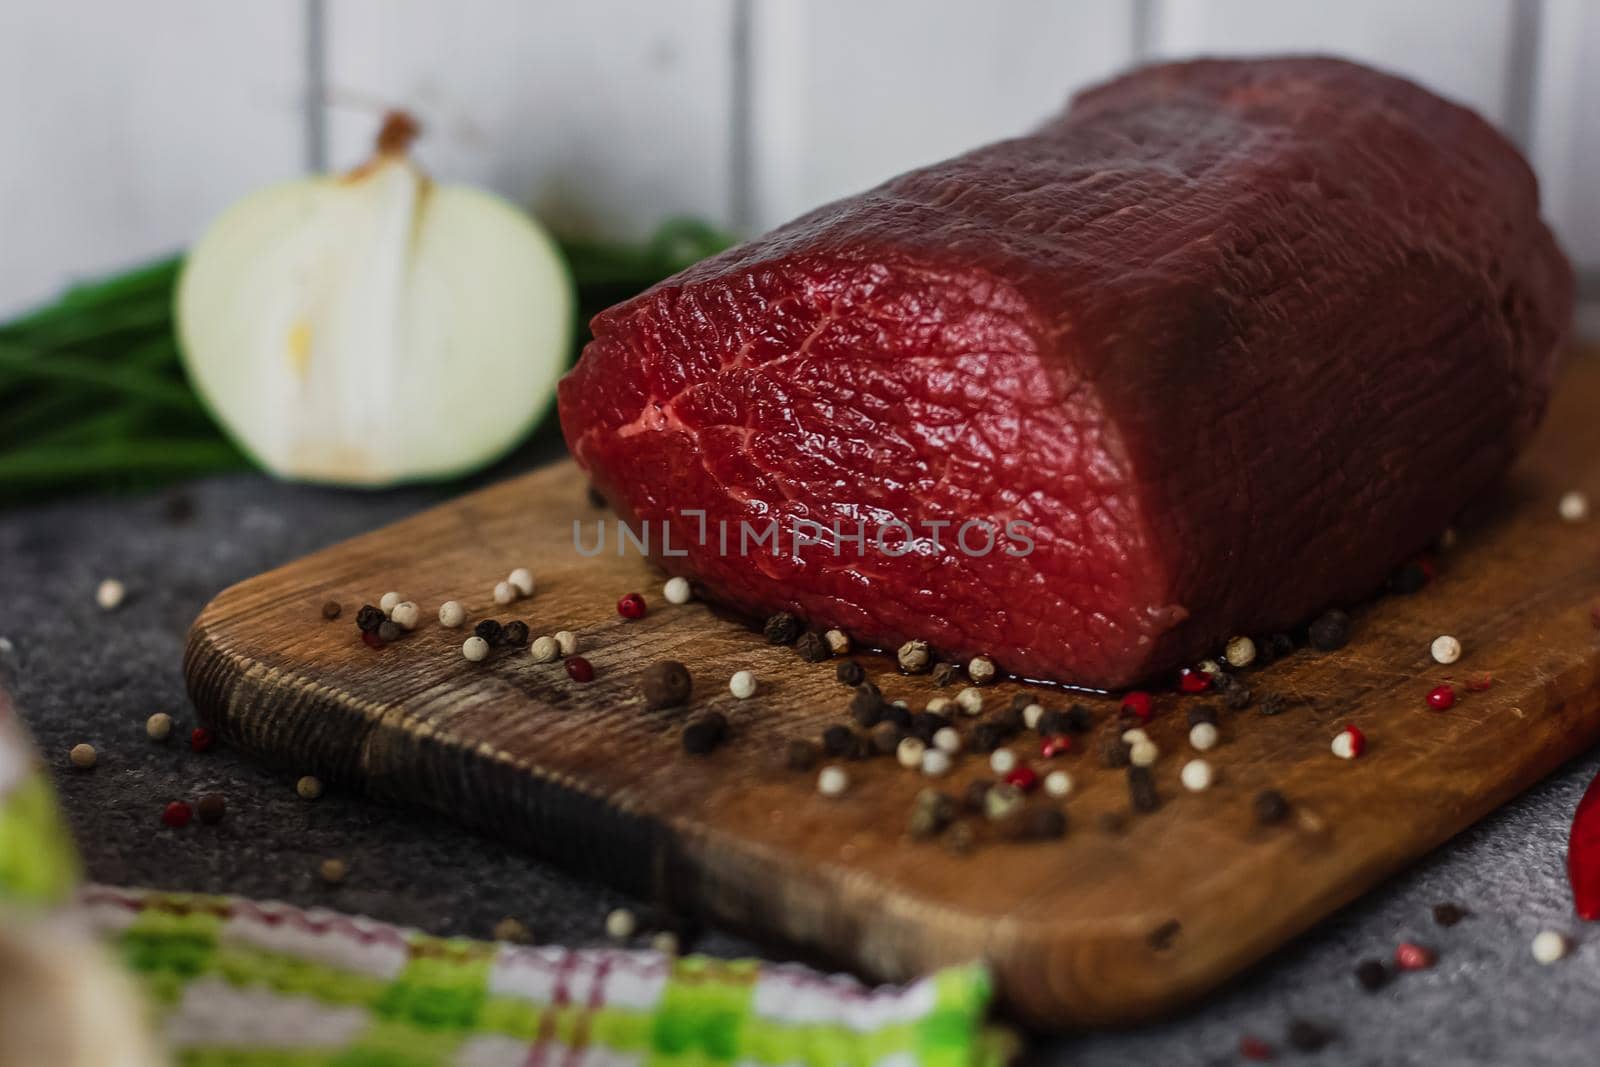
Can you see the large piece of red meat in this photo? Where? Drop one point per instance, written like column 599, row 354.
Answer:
column 1211, row 352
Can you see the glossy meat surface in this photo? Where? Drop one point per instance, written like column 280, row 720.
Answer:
column 1214, row 350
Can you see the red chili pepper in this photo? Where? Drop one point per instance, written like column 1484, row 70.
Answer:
column 1583, row 854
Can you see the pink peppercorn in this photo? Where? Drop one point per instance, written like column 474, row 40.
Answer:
column 1137, row 704
column 371, row 639
column 1193, row 681
column 632, row 606
column 579, row 669
column 1409, row 956
column 177, row 814
column 1253, row 1048
column 1055, row 746
column 1023, row 778
column 1441, row 698
column 201, row 739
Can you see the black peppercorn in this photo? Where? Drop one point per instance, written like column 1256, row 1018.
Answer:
column 1238, row 698
column 489, row 630
column 900, row 716
column 666, row 684
column 514, row 634
column 1020, row 702
column 924, row 724
column 945, row 673
column 1448, row 914
column 1011, row 721
column 849, row 672
column 1307, row 1036
column 1114, row 752
column 885, row 738
column 331, row 610
column 1203, row 713
column 704, row 733
column 1280, row 645
column 961, row 839
column 1271, row 807
column 369, row 618
column 987, row 736
column 976, row 795
column 1330, row 632
column 866, row 706
column 1142, row 789
column 389, row 630
column 782, row 629
column 1080, row 720
column 813, row 647
column 1410, row 578
column 840, row 741
column 801, row 755
column 932, row 812
column 212, row 808
column 1372, row 975
column 1222, row 681
column 1043, row 824
column 1273, row 705
column 1054, row 723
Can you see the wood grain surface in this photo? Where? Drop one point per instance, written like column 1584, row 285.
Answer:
column 1097, row 928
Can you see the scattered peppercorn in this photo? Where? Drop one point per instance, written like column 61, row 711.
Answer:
column 839, row 741
column 1053, row 722
column 1280, row 645
column 309, row 787
column 927, row 723
column 514, row 634
column 387, row 602
column 931, row 814
column 833, row 781
column 333, row 871
column 1573, row 506
column 451, row 614
column 945, row 673
column 1349, row 743
column 1372, row 975
column 83, row 757
column 1012, row 720
column 369, row 618
column 812, row 647
column 677, row 590
column 1448, row 914
column 850, row 672
column 801, row 755
column 566, row 642
column 1271, row 807
column 371, row 639
column 987, row 736
column 201, row 739
column 914, row 657
column 1549, row 946
column 961, row 839
column 1142, row 789
column 704, row 733
column 782, row 629
column 504, row 592
column 212, row 808
column 110, row 594
column 1445, row 649
column 521, row 579
column 475, row 649
column 1238, row 697
column 1079, row 720
column 1273, row 705
column 1137, row 705
column 1409, row 956
column 1002, row 801
column 981, row 670
column 1240, row 653
column 742, row 685
column 177, row 814
column 666, row 684
column 1114, row 752
column 1054, row 745
column 866, row 706
column 1441, row 698
column 885, row 738
column 1307, row 1036
column 974, row 796
column 158, row 727
column 331, row 610
column 489, row 630
column 1192, row 681
column 579, row 669
column 838, row 642
column 406, row 615
column 1202, row 713
column 1024, row 778
column 389, row 630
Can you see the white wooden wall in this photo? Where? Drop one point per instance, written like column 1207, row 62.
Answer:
column 125, row 126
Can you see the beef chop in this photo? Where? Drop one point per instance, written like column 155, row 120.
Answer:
column 1212, row 351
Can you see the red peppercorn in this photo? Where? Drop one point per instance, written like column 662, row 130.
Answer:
column 1253, row 1048
column 1023, row 778
column 201, row 740
column 1441, row 698
column 632, row 606
column 1055, row 746
column 177, row 814
column 1409, row 956
column 1137, row 704
column 371, row 639
column 1480, row 681
column 1193, row 681
column 580, row 669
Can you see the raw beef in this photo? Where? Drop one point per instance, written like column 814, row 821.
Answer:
column 1211, row 352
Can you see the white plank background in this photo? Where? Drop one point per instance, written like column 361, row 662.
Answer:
column 125, row 127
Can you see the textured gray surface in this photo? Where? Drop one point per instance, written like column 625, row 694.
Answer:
column 83, row 675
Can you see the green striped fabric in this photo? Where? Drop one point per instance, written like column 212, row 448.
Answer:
column 236, row 983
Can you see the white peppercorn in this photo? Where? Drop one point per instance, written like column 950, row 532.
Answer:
column 567, row 642
column 475, row 648
column 158, row 727
column 970, row 700
column 1445, row 649
column 1202, row 736
column 406, row 614
column 1058, row 783
column 742, row 685
column 110, row 594
column 387, row 602
column 935, row 763
column 452, row 614
column 621, row 925
column 83, row 756
column 947, row 740
column 838, row 642
column 677, row 591
column 1240, row 653
column 521, row 580
column 981, row 670
column 909, row 752
column 504, row 592
column 833, row 781
column 914, row 657
column 543, row 649
column 1196, row 775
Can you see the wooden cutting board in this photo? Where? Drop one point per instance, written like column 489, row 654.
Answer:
column 1097, row 928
